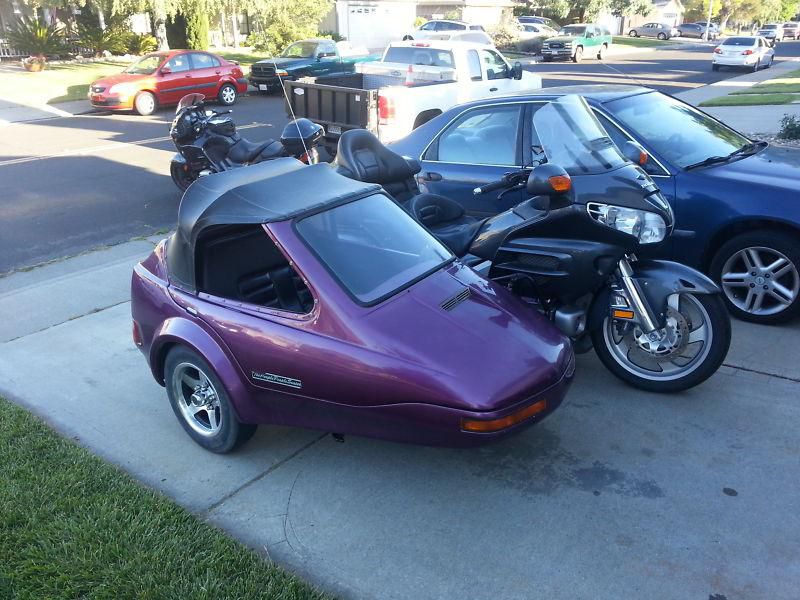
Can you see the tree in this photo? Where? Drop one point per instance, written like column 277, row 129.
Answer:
column 197, row 30
column 281, row 22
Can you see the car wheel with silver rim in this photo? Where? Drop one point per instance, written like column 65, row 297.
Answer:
column 760, row 276
column 685, row 352
column 201, row 403
column 145, row 103
column 227, row 94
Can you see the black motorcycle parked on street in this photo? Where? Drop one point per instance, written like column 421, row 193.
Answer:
column 207, row 142
column 570, row 251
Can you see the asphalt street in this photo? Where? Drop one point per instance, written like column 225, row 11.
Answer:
column 71, row 184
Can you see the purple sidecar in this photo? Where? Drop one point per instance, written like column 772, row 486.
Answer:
column 292, row 295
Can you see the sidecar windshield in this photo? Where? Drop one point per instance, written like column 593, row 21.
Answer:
column 571, row 137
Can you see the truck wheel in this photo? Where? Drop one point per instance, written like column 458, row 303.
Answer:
column 601, row 53
column 578, row 56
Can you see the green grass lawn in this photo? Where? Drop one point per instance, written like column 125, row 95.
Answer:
column 57, row 83
column 73, row 526
column 625, row 40
column 242, row 56
column 787, row 83
column 751, row 100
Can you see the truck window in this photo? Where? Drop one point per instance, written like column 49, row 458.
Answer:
column 496, row 67
column 475, row 72
column 417, row 55
column 484, row 136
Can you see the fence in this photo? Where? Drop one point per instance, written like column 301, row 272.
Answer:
column 8, row 52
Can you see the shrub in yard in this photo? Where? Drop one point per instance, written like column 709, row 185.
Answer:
column 282, row 22
column 176, row 31
column 419, row 22
column 141, row 43
column 505, row 35
column 35, row 37
column 113, row 38
column 197, row 30
column 790, row 128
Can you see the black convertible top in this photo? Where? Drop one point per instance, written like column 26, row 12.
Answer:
column 276, row 190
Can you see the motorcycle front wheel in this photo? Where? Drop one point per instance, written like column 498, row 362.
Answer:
column 182, row 176
column 683, row 354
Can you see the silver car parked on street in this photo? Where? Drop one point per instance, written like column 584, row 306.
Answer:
column 661, row 31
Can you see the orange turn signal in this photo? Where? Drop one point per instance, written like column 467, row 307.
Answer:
column 623, row 314
column 504, row 422
column 643, row 158
column 561, row 183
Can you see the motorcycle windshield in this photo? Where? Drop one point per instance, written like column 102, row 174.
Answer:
column 189, row 100
column 571, row 137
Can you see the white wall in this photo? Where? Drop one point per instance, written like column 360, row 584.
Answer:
column 374, row 24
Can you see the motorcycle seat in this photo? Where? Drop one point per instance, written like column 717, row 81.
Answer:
column 447, row 220
column 245, row 151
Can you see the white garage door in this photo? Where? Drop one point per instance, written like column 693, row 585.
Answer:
column 375, row 24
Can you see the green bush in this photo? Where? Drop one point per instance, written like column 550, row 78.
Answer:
column 176, row 32
column 35, row 37
column 114, row 38
column 142, row 43
column 790, row 128
column 197, row 31
column 419, row 22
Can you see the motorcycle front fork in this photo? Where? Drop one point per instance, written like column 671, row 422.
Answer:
column 628, row 303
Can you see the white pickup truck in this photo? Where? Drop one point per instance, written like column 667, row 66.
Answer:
column 414, row 82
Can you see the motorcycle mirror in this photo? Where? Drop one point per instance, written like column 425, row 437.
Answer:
column 635, row 153
column 548, row 180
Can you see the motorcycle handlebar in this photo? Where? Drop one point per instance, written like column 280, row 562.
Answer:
column 490, row 187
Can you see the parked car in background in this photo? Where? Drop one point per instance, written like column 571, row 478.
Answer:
column 163, row 78
column 575, row 41
column 712, row 27
column 466, row 35
column 716, row 180
column 791, row 30
column 540, row 20
column 415, row 81
column 307, row 57
column 531, row 36
column 662, row 31
column 430, row 29
column 696, row 30
column 748, row 51
column 772, row 32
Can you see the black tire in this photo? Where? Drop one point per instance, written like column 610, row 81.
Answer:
column 227, row 95
column 757, row 66
column 145, row 103
column 601, row 53
column 771, row 60
column 180, row 176
column 632, row 33
column 578, row 56
column 720, row 324
column 547, row 59
column 662, row 36
column 715, row 67
column 230, row 432
column 407, row 38
column 774, row 243
column 680, row 33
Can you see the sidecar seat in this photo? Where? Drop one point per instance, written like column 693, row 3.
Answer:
column 447, row 220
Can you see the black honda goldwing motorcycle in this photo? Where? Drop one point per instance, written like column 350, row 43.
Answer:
column 207, row 142
column 570, row 252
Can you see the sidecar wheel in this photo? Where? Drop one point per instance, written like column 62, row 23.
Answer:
column 201, row 403
column 684, row 354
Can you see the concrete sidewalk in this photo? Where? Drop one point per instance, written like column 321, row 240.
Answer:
column 620, row 494
column 13, row 112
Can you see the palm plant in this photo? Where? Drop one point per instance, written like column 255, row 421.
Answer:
column 113, row 38
column 35, row 37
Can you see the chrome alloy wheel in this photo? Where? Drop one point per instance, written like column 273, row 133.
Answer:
column 668, row 353
column 760, row 281
column 197, row 399
column 228, row 95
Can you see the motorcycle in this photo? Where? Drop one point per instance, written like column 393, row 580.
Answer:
column 207, row 142
column 570, row 252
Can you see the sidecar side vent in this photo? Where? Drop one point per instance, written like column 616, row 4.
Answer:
column 454, row 301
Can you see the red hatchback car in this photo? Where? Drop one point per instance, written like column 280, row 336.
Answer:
column 162, row 78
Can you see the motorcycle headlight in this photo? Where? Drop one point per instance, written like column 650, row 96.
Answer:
column 647, row 227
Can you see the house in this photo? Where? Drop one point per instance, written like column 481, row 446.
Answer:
column 376, row 23
column 669, row 12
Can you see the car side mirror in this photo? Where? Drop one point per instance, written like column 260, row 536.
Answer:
column 516, row 71
column 635, row 153
column 165, row 70
column 549, row 181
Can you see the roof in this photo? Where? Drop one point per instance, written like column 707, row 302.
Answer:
column 276, row 190
column 600, row 92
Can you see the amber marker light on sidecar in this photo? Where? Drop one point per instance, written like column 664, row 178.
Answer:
column 561, row 183
column 504, row 422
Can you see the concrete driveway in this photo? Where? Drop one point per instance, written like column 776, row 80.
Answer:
column 620, row 494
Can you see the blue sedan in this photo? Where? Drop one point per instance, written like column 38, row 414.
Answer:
column 736, row 201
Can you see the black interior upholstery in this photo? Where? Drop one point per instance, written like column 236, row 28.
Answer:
column 242, row 263
column 447, row 220
column 362, row 156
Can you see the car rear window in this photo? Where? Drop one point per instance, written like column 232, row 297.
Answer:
column 419, row 55
column 372, row 247
column 739, row 41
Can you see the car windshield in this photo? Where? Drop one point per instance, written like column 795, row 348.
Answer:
column 300, row 50
column 419, row 55
column 372, row 247
column 146, row 65
column 572, row 30
column 739, row 41
column 572, row 138
column 681, row 134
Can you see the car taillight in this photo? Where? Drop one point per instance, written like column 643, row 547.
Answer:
column 137, row 334
column 386, row 111
column 421, row 44
column 717, row 51
column 747, row 52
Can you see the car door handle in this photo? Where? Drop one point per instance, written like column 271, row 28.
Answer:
column 492, row 89
column 431, row 177
column 187, row 76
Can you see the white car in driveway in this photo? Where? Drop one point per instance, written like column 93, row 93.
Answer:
column 435, row 28
column 748, row 51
